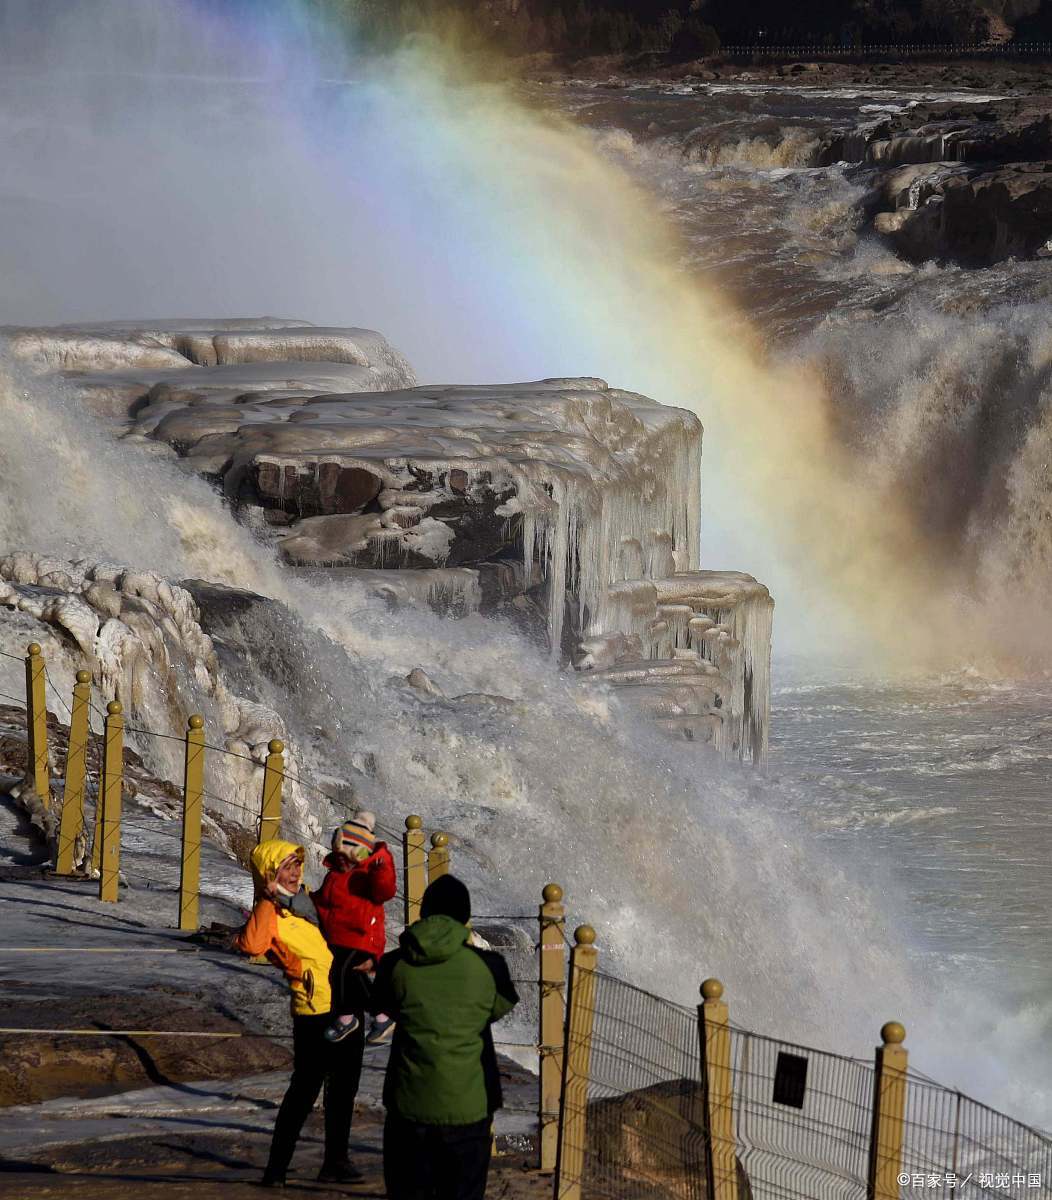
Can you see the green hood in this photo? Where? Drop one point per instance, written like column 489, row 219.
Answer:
column 433, row 940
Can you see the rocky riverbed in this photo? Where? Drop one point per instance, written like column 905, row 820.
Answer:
column 964, row 180
column 1004, row 75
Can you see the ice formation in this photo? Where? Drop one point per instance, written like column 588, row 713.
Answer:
column 569, row 505
column 142, row 637
column 116, row 363
column 708, row 671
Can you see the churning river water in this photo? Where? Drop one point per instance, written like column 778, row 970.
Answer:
column 943, row 778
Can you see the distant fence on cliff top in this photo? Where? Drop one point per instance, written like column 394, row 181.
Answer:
column 912, row 50
column 638, row 1098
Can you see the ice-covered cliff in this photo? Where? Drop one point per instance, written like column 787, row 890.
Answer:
column 565, row 504
column 143, row 638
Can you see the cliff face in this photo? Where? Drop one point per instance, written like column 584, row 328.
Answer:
column 565, row 505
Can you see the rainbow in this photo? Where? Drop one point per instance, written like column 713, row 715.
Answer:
column 492, row 240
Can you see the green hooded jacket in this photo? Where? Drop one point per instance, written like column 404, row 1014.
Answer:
column 443, row 995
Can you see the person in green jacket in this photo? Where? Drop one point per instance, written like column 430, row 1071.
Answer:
column 442, row 1085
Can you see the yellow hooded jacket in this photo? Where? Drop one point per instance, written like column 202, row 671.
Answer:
column 288, row 941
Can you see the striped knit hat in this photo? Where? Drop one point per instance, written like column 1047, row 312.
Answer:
column 356, row 835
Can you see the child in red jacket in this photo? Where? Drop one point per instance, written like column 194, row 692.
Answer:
column 350, row 904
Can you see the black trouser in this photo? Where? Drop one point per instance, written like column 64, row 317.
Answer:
column 351, row 989
column 436, row 1162
column 337, row 1065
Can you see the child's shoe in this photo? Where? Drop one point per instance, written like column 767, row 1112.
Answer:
column 342, row 1028
column 381, row 1031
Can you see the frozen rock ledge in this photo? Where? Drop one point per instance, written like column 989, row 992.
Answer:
column 566, row 504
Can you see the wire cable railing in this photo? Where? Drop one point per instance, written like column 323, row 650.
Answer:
column 797, row 1123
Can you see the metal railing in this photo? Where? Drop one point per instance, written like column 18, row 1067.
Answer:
column 662, row 1101
column 637, row 1129
column 950, row 1137
column 802, row 1118
column 817, row 51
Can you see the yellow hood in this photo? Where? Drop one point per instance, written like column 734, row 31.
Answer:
column 267, row 857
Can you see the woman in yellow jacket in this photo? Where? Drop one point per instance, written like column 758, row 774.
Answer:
column 295, row 944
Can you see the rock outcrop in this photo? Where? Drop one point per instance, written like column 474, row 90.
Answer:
column 593, row 485
column 974, row 217
column 965, row 183
column 1015, row 130
column 707, row 673
column 115, row 364
column 655, row 1137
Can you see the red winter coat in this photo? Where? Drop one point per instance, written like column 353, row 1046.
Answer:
column 350, row 903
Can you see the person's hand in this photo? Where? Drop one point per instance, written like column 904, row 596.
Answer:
column 368, row 965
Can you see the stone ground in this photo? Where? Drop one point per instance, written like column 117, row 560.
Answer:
column 215, row 1155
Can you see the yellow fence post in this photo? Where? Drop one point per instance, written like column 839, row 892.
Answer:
column 193, row 786
column 577, row 1059
column 273, row 779
column 438, row 858
column 414, row 860
column 889, row 1114
column 72, row 822
column 111, row 795
column 36, row 725
column 717, row 1081
column 96, row 837
column 552, row 1016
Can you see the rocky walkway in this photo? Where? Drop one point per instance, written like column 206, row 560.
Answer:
column 204, row 1140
